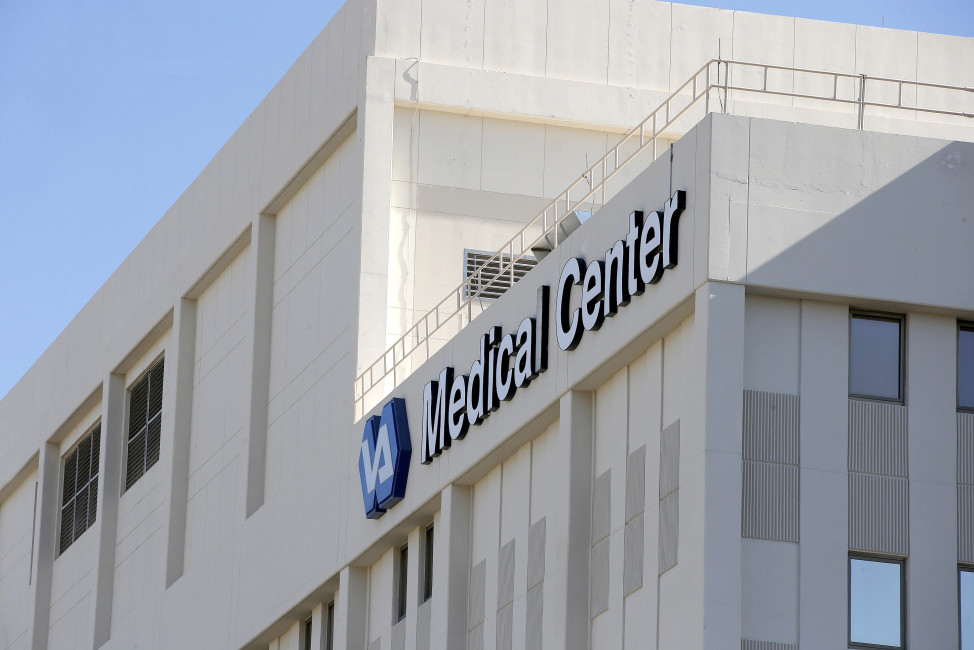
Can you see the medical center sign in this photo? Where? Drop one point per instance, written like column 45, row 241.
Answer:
column 453, row 402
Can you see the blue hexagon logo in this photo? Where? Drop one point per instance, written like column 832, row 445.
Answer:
column 383, row 463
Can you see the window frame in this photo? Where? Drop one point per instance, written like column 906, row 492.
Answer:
column 903, row 611
column 93, row 481
column 159, row 360
column 962, row 326
column 901, row 379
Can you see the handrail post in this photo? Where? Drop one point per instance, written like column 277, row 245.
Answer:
column 862, row 98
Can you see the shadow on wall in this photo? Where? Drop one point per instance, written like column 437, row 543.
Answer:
column 848, row 213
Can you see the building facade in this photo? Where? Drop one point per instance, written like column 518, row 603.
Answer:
column 741, row 417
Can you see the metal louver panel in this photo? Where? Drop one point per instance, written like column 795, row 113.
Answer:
column 601, row 506
column 771, row 427
column 478, row 587
column 505, row 575
column 145, row 424
column 536, row 548
column 505, row 627
column 79, row 489
column 495, row 278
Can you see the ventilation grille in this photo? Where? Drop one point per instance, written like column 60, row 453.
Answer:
column 478, row 585
column 399, row 636
column 79, row 493
column 423, row 616
column 669, row 497
column 145, row 424
column 633, row 548
column 600, row 578
column 536, row 544
column 877, row 438
column 770, row 501
column 750, row 644
column 601, row 505
column 535, row 617
column 879, row 514
column 505, row 575
column 771, row 427
column 495, row 274
column 505, row 627
column 965, row 488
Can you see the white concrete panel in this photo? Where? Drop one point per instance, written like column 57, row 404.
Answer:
column 513, row 157
column 771, row 344
column 639, row 44
column 16, row 528
column 576, row 39
column 569, row 153
column 453, row 32
column 398, row 28
column 699, row 34
column 769, row 591
column 450, row 150
column 514, row 37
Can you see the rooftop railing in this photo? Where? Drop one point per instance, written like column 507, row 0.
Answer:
column 713, row 86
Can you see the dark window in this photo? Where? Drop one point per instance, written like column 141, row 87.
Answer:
column 401, row 592
column 965, row 366
column 877, row 602
column 307, row 634
column 330, row 627
column 428, row 566
column 79, row 488
column 145, row 424
column 967, row 608
column 876, row 357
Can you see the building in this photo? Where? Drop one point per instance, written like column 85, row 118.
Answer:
column 769, row 443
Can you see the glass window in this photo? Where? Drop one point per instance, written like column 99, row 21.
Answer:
column 965, row 366
column 428, row 566
column 967, row 608
column 876, row 356
column 401, row 596
column 876, row 602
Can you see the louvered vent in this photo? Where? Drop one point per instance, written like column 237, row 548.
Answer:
column 495, row 278
column 79, row 494
column 145, row 424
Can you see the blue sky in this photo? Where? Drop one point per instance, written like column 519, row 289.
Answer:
column 109, row 110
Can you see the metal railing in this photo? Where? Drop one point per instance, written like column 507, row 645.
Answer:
column 721, row 78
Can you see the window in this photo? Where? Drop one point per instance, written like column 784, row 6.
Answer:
column 79, row 488
column 330, row 627
column 401, row 591
column 965, row 366
column 428, row 566
column 876, row 356
column 495, row 270
column 145, row 424
column 967, row 608
column 307, row 635
column 877, row 602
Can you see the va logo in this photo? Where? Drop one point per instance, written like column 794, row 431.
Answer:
column 383, row 463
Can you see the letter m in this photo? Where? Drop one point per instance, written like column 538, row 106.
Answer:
column 434, row 435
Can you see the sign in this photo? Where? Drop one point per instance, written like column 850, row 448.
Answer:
column 383, row 464
column 508, row 362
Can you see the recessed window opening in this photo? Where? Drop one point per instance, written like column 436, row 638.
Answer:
column 145, row 424
column 876, row 356
column 330, row 627
column 965, row 366
column 877, row 602
column 401, row 591
column 428, row 565
column 307, row 634
column 79, row 488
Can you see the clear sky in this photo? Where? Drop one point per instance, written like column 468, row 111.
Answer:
column 109, row 109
